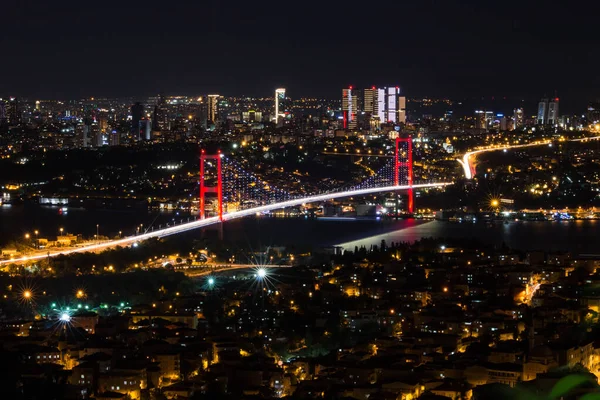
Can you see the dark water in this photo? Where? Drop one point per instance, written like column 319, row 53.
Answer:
column 577, row 236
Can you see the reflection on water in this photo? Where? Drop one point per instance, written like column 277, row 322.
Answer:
column 576, row 236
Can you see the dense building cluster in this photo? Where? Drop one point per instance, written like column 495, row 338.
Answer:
column 428, row 320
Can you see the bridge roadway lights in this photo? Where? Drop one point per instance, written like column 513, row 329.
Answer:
column 201, row 223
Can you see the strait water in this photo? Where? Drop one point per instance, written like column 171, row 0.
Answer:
column 579, row 237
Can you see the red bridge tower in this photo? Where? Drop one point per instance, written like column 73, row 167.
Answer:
column 211, row 189
column 403, row 159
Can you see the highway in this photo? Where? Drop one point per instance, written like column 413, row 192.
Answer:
column 201, row 223
column 469, row 169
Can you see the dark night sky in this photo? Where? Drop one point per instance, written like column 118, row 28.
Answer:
column 70, row 49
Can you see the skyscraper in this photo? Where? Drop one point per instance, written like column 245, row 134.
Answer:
column 13, row 113
column 280, row 104
column 369, row 101
column 401, row 109
column 213, row 107
column 145, row 129
column 3, row 117
column 553, row 112
column 159, row 115
column 518, row 118
column 548, row 112
column 137, row 112
column 593, row 112
column 385, row 105
column 350, row 107
column 542, row 112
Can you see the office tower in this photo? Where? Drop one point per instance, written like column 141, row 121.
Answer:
column 103, row 123
column 390, row 111
column 114, row 138
column 145, row 129
column 369, row 101
column 160, row 119
column 350, row 107
column 542, row 114
column 401, row 110
column 3, row 116
column 553, row 112
column 480, row 120
column 213, row 107
column 202, row 115
column 137, row 112
column 280, row 105
column 593, row 112
column 548, row 112
column 86, row 133
column 505, row 123
column 518, row 118
column 389, row 106
column 13, row 112
column 96, row 135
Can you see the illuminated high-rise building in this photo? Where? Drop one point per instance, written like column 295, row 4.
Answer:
column 137, row 112
column 553, row 115
column 385, row 105
column 542, row 113
column 160, row 120
column 3, row 116
column 518, row 118
column 13, row 111
column 280, row 104
column 145, row 127
column 213, row 107
column 401, row 110
column 350, row 108
column 370, row 101
column 593, row 112
column 548, row 112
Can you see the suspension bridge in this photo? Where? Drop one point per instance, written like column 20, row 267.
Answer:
column 237, row 193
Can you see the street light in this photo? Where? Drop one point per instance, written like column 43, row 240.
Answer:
column 37, row 242
column 61, row 231
column 98, row 232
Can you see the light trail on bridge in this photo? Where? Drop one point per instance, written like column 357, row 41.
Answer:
column 188, row 226
column 466, row 160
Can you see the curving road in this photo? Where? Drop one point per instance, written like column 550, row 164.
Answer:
column 469, row 168
column 131, row 240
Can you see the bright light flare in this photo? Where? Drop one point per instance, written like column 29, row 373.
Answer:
column 261, row 273
column 211, row 281
column 65, row 317
column 27, row 294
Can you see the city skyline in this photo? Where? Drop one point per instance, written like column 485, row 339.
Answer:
column 438, row 50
